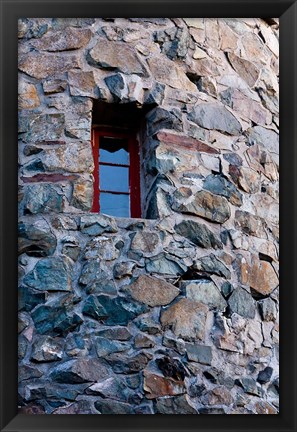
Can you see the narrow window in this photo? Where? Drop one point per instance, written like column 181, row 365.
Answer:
column 116, row 173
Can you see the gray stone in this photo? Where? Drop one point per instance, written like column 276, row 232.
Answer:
column 113, row 388
column 161, row 118
column 115, row 333
column 143, row 341
column 245, row 69
column 211, row 264
column 43, row 65
column 217, row 396
column 42, row 198
column 28, row 299
column 55, row 320
column 250, row 224
column 113, row 311
column 207, row 205
column 233, row 159
column 186, row 318
column 268, row 309
column 122, row 363
column 80, row 407
column 36, row 239
column 44, row 127
column 242, row 303
column 148, row 324
column 153, row 291
column 54, row 85
column 51, row 274
column 104, row 248
column 214, row 116
column 116, row 55
column 168, row 72
column 82, row 83
column 68, row 39
column 198, row 233
column 266, row 137
column 155, row 95
column 219, row 185
column 26, row 372
column 205, row 291
column 163, row 265
column 174, row 405
column 104, row 347
column 250, row 386
column 107, row 406
column 265, row 375
column 146, row 242
column 123, row 269
column 199, row 353
column 80, row 371
column 46, row 348
column 227, row 289
column 97, row 224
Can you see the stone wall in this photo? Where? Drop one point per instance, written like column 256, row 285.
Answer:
column 177, row 312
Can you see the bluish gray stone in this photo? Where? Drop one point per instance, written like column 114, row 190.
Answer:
column 199, row 353
column 250, row 386
column 174, row 405
column 265, row 375
column 45, row 127
column 198, row 233
column 113, row 311
column 219, row 185
column 215, row 116
column 104, row 347
column 51, row 274
column 204, row 291
column 55, row 320
column 242, row 303
column 107, row 406
column 211, row 264
column 161, row 264
column 36, row 239
column 42, row 198
column 161, row 118
column 28, row 298
column 121, row 363
column 81, row 370
column 97, row 224
column 47, row 348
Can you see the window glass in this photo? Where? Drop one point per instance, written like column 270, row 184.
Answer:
column 113, row 150
column 115, row 204
column 113, row 178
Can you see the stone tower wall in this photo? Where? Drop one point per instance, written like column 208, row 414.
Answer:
column 176, row 312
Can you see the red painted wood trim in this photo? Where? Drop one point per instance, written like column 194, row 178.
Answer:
column 134, row 174
column 95, row 148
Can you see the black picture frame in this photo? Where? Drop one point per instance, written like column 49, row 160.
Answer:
column 10, row 11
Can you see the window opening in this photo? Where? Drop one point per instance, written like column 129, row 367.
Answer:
column 116, row 173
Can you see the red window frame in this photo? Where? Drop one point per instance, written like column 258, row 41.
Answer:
column 134, row 168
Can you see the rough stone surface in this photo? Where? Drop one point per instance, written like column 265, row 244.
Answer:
column 187, row 319
column 242, row 303
column 115, row 55
column 206, row 205
column 198, row 234
column 211, row 116
column 175, row 311
column 50, row 274
column 153, row 291
column 205, row 291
